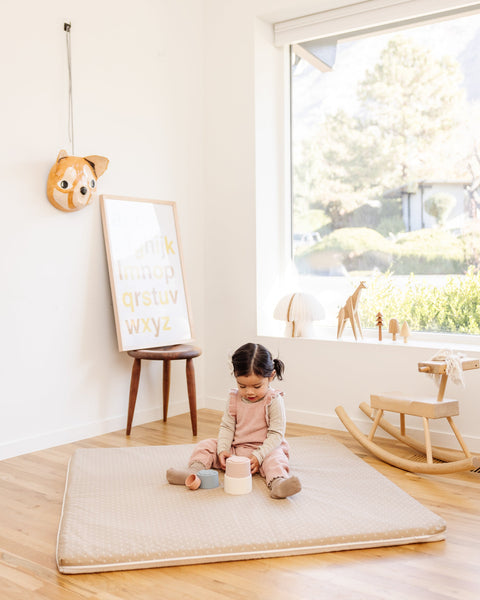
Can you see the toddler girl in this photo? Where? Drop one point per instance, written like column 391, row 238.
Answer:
column 253, row 425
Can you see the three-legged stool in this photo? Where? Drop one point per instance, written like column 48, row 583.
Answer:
column 166, row 354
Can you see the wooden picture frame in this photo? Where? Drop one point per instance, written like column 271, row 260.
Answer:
column 145, row 267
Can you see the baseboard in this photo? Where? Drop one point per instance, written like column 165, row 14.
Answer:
column 328, row 421
column 87, row 430
column 441, row 439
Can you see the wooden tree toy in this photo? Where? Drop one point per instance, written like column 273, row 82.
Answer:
column 379, row 323
column 405, row 332
column 348, row 312
column 393, row 328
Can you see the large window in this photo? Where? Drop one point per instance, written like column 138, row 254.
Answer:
column 386, row 173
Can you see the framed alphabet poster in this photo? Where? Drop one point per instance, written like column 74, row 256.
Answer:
column 146, row 272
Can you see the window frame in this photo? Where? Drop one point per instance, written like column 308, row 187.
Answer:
column 345, row 22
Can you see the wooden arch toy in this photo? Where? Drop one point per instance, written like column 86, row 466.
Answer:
column 424, row 407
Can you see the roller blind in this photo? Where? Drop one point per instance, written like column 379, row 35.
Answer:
column 347, row 20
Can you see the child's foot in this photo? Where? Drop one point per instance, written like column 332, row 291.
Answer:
column 178, row 476
column 282, row 488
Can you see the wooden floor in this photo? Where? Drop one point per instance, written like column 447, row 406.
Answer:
column 31, row 498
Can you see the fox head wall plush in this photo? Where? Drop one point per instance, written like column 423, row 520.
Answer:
column 72, row 181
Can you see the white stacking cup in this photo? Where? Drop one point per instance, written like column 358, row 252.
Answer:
column 238, row 479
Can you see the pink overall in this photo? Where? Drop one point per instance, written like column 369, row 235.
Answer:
column 251, row 427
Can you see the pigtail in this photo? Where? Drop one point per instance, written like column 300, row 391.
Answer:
column 279, row 366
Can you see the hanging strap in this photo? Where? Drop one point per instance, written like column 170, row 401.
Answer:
column 67, row 27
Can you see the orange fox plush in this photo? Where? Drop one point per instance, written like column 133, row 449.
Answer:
column 72, row 181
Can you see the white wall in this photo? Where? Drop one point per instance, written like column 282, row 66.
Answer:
column 138, row 86
column 246, row 182
column 184, row 98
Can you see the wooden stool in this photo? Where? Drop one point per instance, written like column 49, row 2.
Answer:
column 167, row 354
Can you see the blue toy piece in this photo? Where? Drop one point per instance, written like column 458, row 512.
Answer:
column 209, row 479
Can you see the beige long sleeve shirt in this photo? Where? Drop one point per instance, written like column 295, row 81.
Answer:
column 275, row 426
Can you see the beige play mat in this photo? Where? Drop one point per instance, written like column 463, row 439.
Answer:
column 119, row 512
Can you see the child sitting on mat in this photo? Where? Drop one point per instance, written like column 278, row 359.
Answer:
column 253, row 425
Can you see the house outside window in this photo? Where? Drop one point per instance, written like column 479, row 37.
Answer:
column 386, row 172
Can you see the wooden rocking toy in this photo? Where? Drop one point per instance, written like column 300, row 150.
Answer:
column 348, row 312
column 424, row 407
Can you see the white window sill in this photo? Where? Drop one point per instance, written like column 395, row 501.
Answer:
column 434, row 341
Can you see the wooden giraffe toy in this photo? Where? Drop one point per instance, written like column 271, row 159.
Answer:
column 349, row 313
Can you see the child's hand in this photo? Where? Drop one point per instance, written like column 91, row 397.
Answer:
column 222, row 457
column 254, row 464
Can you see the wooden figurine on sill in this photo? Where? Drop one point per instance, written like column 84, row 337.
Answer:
column 393, row 328
column 405, row 332
column 349, row 313
column 379, row 323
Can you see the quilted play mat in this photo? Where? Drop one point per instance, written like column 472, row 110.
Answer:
column 119, row 512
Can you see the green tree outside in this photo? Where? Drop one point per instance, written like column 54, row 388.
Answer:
column 411, row 123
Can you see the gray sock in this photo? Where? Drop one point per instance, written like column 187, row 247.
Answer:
column 282, row 487
column 178, row 476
